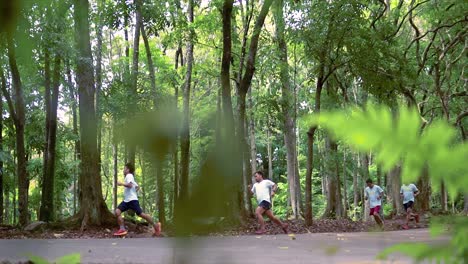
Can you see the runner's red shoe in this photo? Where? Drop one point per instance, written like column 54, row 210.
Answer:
column 121, row 232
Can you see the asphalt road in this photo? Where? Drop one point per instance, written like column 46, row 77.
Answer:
column 271, row 249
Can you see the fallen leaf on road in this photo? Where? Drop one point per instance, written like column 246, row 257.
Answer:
column 283, row 247
column 258, row 237
column 331, row 250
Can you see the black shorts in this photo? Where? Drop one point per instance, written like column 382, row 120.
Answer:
column 265, row 205
column 134, row 205
column 408, row 205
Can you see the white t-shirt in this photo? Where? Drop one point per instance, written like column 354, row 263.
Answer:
column 373, row 195
column 408, row 192
column 130, row 194
column 262, row 190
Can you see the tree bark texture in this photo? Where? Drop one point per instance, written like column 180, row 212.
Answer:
column 17, row 111
column 93, row 209
column 47, row 213
column 288, row 109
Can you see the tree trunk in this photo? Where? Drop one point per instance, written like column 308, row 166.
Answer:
column 424, row 186
column 17, row 111
column 379, row 175
column 364, row 176
column 115, row 146
column 150, row 66
column 253, row 144
column 93, row 209
column 465, row 209
column 443, row 197
column 288, row 109
column 99, row 88
column 77, row 154
column 345, row 186
column 160, row 186
column 393, row 189
column 310, row 151
column 133, row 90
column 270, row 154
column 356, row 187
column 185, row 134
column 2, row 218
column 175, row 155
column 334, row 207
column 47, row 205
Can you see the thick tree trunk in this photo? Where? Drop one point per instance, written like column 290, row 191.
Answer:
column 334, row 207
column 393, row 189
column 17, row 111
column 47, row 205
column 288, row 109
column 93, row 209
column 424, row 186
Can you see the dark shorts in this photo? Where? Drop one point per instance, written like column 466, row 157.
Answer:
column 134, row 205
column 375, row 210
column 408, row 205
column 265, row 205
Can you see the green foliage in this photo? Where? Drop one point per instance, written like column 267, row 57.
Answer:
column 67, row 259
column 397, row 140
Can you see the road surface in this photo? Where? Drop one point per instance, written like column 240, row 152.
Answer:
column 271, row 249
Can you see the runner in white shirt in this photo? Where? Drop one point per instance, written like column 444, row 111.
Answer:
column 131, row 202
column 408, row 193
column 264, row 190
column 374, row 194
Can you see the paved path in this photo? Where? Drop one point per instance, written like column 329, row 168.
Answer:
column 306, row 248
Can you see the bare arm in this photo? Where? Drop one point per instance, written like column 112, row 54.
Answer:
column 128, row 185
column 273, row 189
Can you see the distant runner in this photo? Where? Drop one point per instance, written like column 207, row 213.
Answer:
column 408, row 192
column 131, row 202
column 264, row 189
column 374, row 194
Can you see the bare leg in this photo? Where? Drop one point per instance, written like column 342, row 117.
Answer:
column 156, row 226
column 120, row 220
column 408, row 215
column 378, row 219
column 273, row 218
column 259, row 213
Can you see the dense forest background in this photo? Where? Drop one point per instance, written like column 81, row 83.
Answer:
column 201, row 94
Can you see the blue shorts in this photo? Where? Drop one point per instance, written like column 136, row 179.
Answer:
column 265, row 205
column 134, row 205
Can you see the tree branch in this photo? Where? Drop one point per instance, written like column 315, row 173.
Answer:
column 404, row 18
